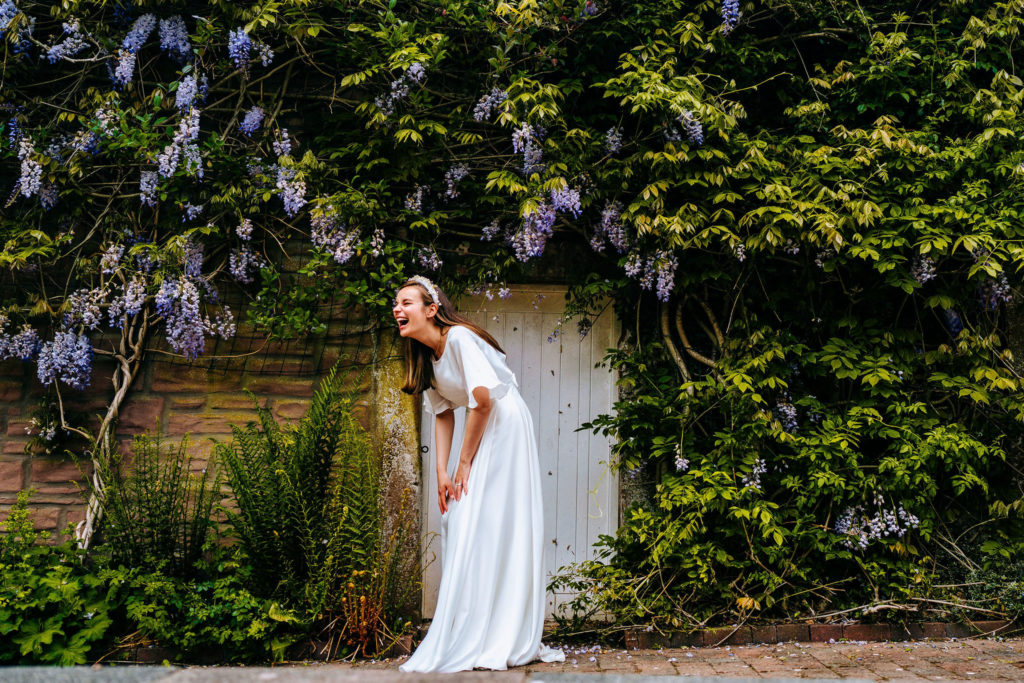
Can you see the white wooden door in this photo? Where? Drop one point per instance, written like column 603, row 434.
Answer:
column 563, row 390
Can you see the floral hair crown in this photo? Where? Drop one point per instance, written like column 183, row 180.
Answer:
column 429, row 286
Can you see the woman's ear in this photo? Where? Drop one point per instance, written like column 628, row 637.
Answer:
column 431, row 311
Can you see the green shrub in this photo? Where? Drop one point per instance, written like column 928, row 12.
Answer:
column 311, row 521
column 157, row 509
column 212, row 613
column 53, row 609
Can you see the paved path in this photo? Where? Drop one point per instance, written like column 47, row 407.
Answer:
column 963, row 660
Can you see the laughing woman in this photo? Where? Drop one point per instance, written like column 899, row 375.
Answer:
column 490, row 608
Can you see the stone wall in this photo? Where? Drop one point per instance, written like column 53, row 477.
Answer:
column 201, row 400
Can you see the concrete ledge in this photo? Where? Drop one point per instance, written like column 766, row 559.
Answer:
column 817, row 633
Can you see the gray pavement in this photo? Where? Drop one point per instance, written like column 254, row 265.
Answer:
column 314, row 673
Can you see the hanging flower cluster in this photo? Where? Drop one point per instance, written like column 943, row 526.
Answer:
column 400, row 88
column 489, row 103
column 858, row 529
column 72, row 43
column 657, row 271
column 137, row 36
column 23, row 345
column 527, row 140
column 332, row 235
column 611, row 229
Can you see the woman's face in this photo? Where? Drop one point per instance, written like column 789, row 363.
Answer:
column 411, row 311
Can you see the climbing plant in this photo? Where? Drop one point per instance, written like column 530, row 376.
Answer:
column 808, row 215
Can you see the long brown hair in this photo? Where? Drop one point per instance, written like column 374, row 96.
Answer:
column 419, row 371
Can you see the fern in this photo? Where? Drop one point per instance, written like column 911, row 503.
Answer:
column 310, row 518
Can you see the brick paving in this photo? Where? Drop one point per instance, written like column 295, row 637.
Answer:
column 939, row 660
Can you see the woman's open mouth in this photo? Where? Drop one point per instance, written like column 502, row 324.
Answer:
column 402, row 323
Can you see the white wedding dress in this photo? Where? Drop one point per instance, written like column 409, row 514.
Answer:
column 490, row 608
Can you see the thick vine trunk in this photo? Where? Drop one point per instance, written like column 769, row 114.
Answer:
column 129, row 357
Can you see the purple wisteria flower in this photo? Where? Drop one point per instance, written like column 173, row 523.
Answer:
column 73, row 42
column 178, row 303
column 858, row 528
column 414, row 200
column 111, row 258
column 292, row 190
column 31, row 177
column 174, row 38
column 84, row 308
column 566, row 200
column 488, row 103
column 532, row 236
column 693, row 127
column 613, row 140
column 139, row 33
column 283, row 145
column 527, row 140
column 995, row 291
column 265, row 54
column 785, row 412
column 147, row 188
column 491, row 230
column 377, row 243
column 187, row 92
column 129, row 303
column 244, row 230
column 8, row 10
column 753, row 480
column 399, row 89
column 67, row 358
column 610, row 228
column 428, row 259
column 243, row 262
column 239, row 48
column 923, row 270
column 190, row 211
column 730, row 16
column 252, row 121
column 656, row 271
column 48, row 195
column 452, row 177
column 333, row 236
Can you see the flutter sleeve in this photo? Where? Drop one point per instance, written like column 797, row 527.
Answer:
column 435, row 402
column 475, row 365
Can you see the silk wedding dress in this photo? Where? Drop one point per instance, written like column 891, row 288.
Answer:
column 490, row 608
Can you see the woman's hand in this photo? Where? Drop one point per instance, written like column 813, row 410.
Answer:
column 462, row 479
column 445, row 491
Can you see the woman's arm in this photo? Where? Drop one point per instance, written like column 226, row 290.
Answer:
column 476, row 420
column 444, row 428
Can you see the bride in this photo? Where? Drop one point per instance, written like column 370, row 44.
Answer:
column 490, row 608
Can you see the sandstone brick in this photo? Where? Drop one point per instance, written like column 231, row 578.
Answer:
column 823, row 633
column 10, row 390
column 176, row 378
column 57, row 475
column 290, row 410
column 15, row 446
column 45, row 518
column 186, row 402
column 180, row 424
column 74, row 514
column 872, row 632
column 12, row 475
column 280, row 386
column 18, row 426
column 236, row 401
column 141, row 414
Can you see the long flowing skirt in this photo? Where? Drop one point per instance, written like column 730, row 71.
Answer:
column 490, row 607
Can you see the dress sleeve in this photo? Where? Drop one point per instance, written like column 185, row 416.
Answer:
column 435, row 402
column 473, row 364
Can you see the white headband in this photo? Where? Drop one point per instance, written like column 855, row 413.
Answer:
column 429, row 286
